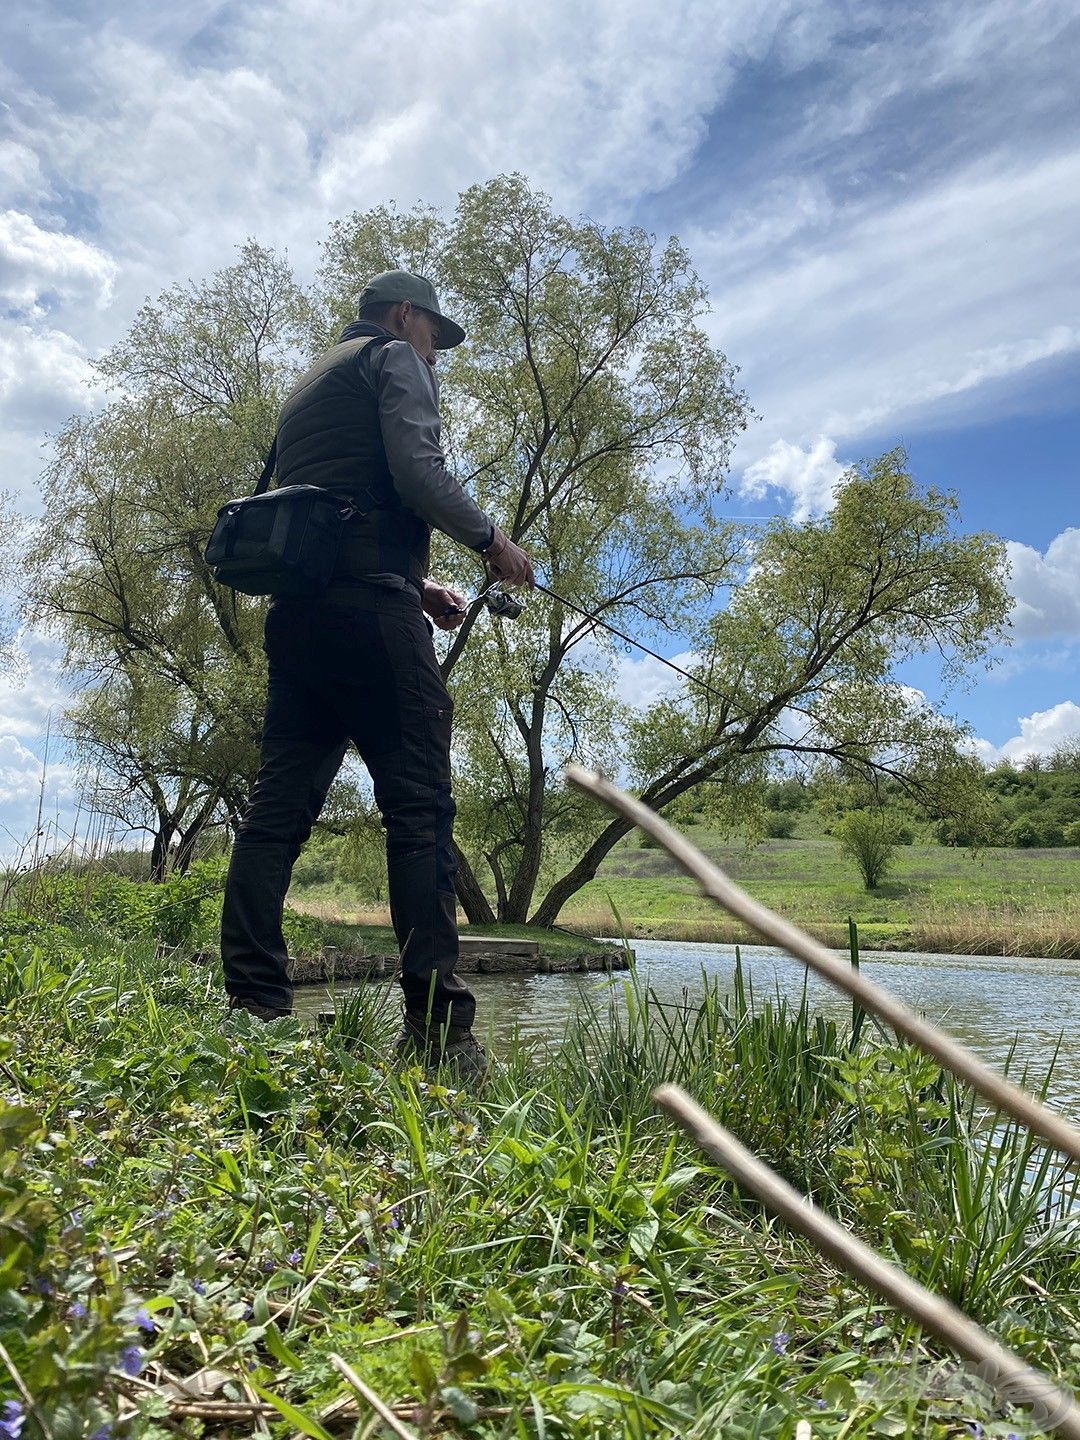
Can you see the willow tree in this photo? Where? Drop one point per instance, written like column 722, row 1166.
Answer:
column 169, row 664
column 592, row 417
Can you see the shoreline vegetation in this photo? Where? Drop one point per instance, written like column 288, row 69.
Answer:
column 200, row 1216
column 936, row 899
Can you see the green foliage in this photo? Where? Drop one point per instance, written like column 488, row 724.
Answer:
column 116, row 568
column 780, row 824
column 181, row 912
column 239, row 1206
column 870, row 838
column 1038, row 806
column 66, row 1352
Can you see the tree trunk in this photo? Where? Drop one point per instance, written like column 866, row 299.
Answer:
column 189, row 838
column 547, row 912
column 186, row 849
column 159, row 855
column 473, row 900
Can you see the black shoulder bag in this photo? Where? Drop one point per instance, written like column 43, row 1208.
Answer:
column 278, row 542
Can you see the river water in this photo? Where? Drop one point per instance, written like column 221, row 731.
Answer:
column 990, row 1002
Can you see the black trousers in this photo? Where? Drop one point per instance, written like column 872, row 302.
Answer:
column 364, row 673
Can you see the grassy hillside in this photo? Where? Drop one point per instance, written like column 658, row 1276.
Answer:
column 993, row 901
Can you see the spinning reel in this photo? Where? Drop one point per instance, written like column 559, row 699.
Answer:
column 498, row 600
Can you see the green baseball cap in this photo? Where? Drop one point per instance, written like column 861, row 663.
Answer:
column 393, row 286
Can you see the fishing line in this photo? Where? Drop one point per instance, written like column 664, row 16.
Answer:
column 629, row 640
column 500, row 602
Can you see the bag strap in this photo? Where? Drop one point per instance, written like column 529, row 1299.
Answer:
column 268, row 470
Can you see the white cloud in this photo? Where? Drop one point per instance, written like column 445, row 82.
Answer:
column 20, row 172
column 37, row 776
column 35, row 261
column 30, row 789
column 1046, row 588
column 640, row 683
column 44, row 376
column 1040, row 734
column 34, row 692
column 904, row 301
column 809, row 476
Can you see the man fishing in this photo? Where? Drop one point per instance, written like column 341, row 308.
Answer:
column 357, row 665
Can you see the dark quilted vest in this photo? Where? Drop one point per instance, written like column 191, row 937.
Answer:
column 329, row 435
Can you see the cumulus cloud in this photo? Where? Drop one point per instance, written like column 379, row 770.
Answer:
column 34, row 691
column 1046, row 587
column 1040, row 734
column 44, row 376
column 850, row 282
column 809, row 476
column 35, row 262
column 36, row 773
column 640, row 683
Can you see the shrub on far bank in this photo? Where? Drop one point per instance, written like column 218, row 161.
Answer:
column 870, row 838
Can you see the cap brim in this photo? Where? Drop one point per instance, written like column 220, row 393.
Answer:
column 449, row 334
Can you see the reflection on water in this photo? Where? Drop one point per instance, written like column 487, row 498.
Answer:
column 994, row 1004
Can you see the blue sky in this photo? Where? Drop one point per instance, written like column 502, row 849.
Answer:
column 884, row 201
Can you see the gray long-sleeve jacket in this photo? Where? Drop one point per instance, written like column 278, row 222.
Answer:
column 408, row 394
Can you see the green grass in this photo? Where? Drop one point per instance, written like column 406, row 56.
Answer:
column 935, row 897
column 543, row 1258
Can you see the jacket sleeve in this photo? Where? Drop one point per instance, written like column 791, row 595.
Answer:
column 409, row 416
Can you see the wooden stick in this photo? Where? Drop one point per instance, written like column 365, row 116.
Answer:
column 950, row 1053
column 1015, row 1381
column 377, row 1404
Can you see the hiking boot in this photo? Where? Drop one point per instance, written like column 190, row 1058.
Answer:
column 433, row 1045
column 254, row 1007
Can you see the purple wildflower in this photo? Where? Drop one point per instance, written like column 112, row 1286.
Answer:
column 77, row 1310
column 42, row 1286
column 199, row 1286
column 143, row 1321
column 103, row 1432
column 395, row 1218
column 619, row 1288
column 131, row 1361
column 89, row 1161
column 779, row 1342
column 12, row 1421
column 294, row 1257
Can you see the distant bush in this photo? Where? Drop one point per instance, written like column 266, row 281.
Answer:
column 1025, row 833
column 869, row 837
column 780, row 825
column 787, row 795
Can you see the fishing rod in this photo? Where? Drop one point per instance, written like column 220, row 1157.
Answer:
column 508, row 607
